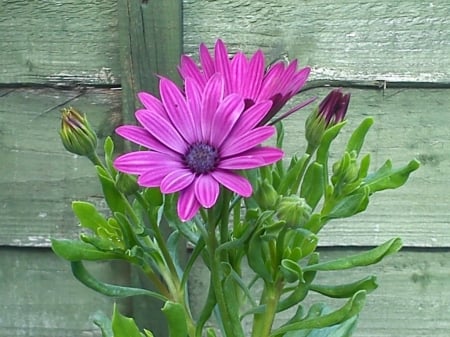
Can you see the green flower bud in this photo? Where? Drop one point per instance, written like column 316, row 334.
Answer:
column 346, row 170
column 266, row 196
column 294, row 211
column 76, row 134
column 126, row 184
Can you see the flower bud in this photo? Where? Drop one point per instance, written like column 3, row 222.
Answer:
column 330, row 112
column 294, row 211
column 346, row 170
column 76, row 134
column 266, row 196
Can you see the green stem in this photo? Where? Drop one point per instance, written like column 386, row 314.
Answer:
column 262, row 323
column 230, row 320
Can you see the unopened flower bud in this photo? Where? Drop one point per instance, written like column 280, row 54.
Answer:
column 330, row 112
column 77, row 135
column 346, row 170
column 294, row 211
column 266, row 196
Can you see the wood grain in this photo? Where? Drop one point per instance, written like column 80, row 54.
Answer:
column 404, row 40
column 59, row 43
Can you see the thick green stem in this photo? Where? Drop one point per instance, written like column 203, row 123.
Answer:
column 262, row 323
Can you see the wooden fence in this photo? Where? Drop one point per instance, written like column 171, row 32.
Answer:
column 393, row 56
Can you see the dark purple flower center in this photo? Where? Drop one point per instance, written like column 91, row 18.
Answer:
column 201, row 158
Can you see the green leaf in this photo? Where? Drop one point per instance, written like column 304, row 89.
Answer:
column 75, row 250
column 387, row 178
column 368, row 284
column 356, row 140
column 312, row 185
column 113, row 198
column 350, row 205
column 82, row 275
column 123, row 326
column 108, row 146
column 350, row 309
column 344, row 329
column 176, row 319
column 88, row 215
column 291, row 179
column 360, row 260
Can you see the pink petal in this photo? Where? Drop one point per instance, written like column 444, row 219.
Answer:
column 189, row 69
column 206, row 61
column 250, row 118
column 222, row 63
column 256, row 157
column 141, row 136
column 241, row 162
column 162, row 130
column 233, row 182
column 206, row 190
column 270, row 82
column 194, row 103
column 143, row 161
column 228, row 112
column 212, row 95
column 151, row 103
column 187, row 205
column 177, row 180
column 239, row 144
column 255, row 76
column 238, row 73
column 177, row 110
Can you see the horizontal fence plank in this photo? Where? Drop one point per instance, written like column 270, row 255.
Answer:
column 413, row 297
column 41, row 298
column 403, row 40
column 38, row 177
column 59, row 43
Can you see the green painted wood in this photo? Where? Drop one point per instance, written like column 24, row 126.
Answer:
column 41, row 298
column 59, row 43
column 413, row 297
column 151, row 43
column 405, row 40
column 38, row 177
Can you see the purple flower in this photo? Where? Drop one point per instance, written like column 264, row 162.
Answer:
column 196, row 141
column 248, row 77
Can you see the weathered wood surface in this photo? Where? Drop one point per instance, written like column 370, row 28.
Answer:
column 41, row 298
column 405, row 40
column 77, row 41
column 412, row 298
column 38, row 177
column 59, row 43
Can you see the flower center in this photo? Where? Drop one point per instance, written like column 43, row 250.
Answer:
column 201, row 158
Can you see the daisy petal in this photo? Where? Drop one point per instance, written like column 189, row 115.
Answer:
column 163, row 130
column 225, row 117
column 235, row 145
column 206, row 61
column 233, row 182
column 177, row 180
column 254, row 76
column 188, row 68
column 151, row 103
column 241, row 162
column 222, row 63
column 206, row 190
column 187, row 205
column 177, row 110
column 140, row 162
column 212, row 95
column 141, row 136
column 251, row 118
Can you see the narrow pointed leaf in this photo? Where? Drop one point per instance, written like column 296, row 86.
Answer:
column 346, row 290
column 176, row 319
